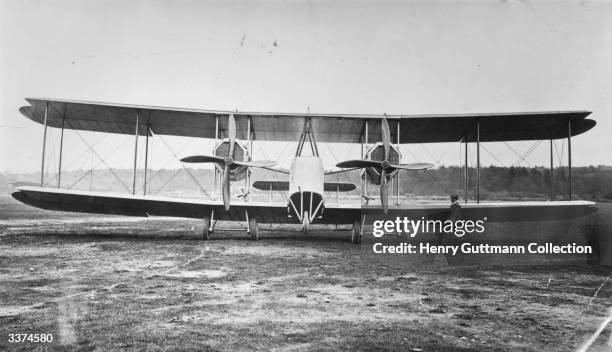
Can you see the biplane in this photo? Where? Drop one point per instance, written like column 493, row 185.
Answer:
column 379, row 135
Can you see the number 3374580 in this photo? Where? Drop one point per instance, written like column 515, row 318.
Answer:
column 35, row 338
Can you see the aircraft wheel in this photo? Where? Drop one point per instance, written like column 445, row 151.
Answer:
column 356, row 236
column 254, row 231
column 206, row 230
column 305, row 220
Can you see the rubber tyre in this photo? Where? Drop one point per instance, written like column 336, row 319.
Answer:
column 356, row 235
column 206, row 230
column 254, row 231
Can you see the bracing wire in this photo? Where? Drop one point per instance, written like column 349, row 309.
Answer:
column 92, row 166
column 103, row 161
column 522, row 158
column 169, row 159
column 272, row 172
column 184, row 168
column 80, row 156
column 492, row 155
column 515, row 152
column 343, row 173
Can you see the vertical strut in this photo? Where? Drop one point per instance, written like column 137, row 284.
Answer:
column 247, row 179
column 59, row 168
column 298, row 151
column 313, row 139
column 215, row 167
column 42, row 165
column 144, row 190
column 362, row 140
column 478, row 161
column 552, row 176
column 397, row 173
column 338, row 195
column 251, row 150
column 251, row 136
column 312, row 146
column 310, row 206
column 301, row 203
column 365, row 174
column 216, row 128
column 135, row 153
column 214, row 194
column 465, row 172
column 362, row 145
column 569, row 155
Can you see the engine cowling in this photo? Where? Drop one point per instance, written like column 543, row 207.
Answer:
column 241, row 153
column 377, row 152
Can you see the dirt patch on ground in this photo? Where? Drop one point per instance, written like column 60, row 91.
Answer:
column 32, row 251
column 270, row 249
column 192, row 274
column 146, row 285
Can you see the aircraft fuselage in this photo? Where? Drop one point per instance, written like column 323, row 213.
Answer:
column 306, row 186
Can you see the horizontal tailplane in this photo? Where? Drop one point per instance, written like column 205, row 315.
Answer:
column 284, row 186
column 274, row 185
column 338, row 186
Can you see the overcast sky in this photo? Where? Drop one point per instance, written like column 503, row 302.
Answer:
column 331, row 56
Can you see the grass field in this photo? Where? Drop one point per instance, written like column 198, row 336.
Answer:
column 101, row 283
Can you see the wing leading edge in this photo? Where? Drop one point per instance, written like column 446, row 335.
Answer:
column 342, row 128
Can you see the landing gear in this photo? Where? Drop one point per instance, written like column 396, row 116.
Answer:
column 356, row 236
column 206, row 231
column 253, row 230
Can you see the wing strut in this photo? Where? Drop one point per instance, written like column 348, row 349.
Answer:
column 397, row 174
column 42, row 165
column 478, row 161
column 59, row 168
column 135, row 152
column 146, row 166
column 467, row 180
column 569, row 156
column 552, row 176
column 307, row 132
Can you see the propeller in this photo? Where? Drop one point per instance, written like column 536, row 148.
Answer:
column 384, row 166
column 228, row 161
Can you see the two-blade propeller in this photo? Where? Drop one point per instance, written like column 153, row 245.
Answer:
column 228, row 161
column 385, row 167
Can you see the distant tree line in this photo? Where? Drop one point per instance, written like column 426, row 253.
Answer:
column 520, row 183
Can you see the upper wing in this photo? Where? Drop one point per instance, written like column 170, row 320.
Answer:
column 342, row 128
column 123, row 204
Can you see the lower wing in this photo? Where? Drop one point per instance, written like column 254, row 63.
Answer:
column 133, row 205
column 264, row 212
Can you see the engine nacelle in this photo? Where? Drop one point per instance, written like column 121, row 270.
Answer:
column 241, row 153
column 377, row 152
